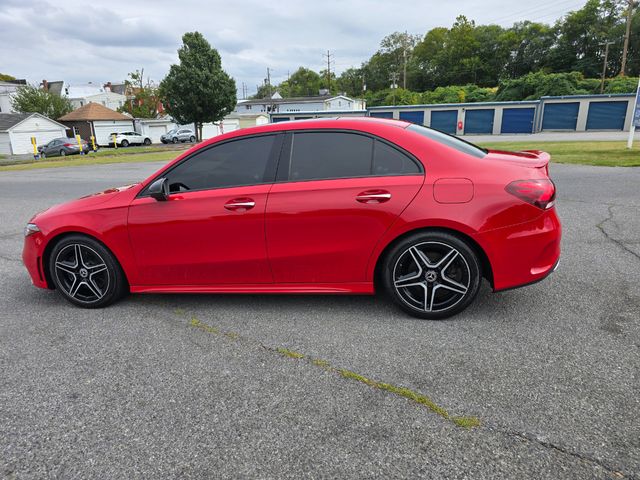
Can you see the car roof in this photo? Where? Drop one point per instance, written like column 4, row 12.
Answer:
column 346, row 123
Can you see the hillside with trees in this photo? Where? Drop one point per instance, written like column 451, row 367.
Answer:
column 471, row 63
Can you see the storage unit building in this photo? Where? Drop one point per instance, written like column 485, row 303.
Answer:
column 285, row 117
column 17, row 129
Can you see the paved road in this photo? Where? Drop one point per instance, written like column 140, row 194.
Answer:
column 149, row 389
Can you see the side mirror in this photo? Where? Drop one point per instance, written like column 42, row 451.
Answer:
column 159, row 189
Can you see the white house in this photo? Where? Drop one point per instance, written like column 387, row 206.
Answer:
column 7, row 90
column 16, row 130
column 277, row 104
column 80, row 95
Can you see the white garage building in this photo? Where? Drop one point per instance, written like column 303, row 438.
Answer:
column 16, row 130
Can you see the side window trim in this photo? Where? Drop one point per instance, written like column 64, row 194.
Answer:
column 270, row 169
column 284, row 164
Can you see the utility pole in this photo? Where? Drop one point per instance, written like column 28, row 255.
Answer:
column 404, row 69
column 604, row 67
column 269, row 81
column 328, row 55
column 626, row 37
column 394, row 85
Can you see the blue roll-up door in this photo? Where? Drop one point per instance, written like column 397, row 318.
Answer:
column 479, row 121
column 444, row 120
column 279, row 119
column 560, row 116
column 381, row 114
column 607, row 115
column 414, row 117
column 517, row 120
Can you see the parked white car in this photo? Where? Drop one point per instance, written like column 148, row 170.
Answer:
column 124, row 139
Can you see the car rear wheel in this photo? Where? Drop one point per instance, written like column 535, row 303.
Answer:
column 147, row 141
column 432, row 275
column 62, row 153
column 85, row 273
column 124, row 143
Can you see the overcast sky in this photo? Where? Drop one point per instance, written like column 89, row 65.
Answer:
column 84, row 41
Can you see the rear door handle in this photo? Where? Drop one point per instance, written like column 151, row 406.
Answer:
column 240, row 204
column 374, row 196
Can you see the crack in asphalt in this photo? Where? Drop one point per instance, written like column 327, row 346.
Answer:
column 197, row 324
column 620, row 243
column 552, row 446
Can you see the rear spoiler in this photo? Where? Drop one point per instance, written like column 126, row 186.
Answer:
column 543, row 158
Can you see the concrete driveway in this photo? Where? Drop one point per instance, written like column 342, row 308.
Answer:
column 183, row 386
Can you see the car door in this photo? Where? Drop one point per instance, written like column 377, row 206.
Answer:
column 336, row 194
column 53, row 148
column 210, row 230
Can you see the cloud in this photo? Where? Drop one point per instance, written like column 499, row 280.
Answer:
column 77, row 41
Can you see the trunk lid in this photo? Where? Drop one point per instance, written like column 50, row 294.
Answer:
column 526, row 158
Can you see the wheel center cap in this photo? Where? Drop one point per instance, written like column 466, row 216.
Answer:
column 431, row 276
column 84, row 273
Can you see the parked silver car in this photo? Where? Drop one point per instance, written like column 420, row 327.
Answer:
column 62, row 146
column 178, row 135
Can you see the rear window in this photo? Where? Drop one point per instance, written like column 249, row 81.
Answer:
column 449, row 140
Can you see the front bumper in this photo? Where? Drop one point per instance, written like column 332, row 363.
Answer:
column 32, row 258
column 524, row 253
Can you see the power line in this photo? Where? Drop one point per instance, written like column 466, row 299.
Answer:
column 535, row 9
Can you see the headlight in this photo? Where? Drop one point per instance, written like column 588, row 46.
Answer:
column 30, row 229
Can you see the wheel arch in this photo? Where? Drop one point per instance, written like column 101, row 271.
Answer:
column 487, row 271
column 61, row 236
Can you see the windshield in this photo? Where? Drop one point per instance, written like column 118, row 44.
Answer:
column 173, row 130
column 449, row 140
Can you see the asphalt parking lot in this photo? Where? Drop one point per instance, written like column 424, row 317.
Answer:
column 183, row 386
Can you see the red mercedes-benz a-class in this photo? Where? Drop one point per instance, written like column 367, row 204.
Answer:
column 348, row 205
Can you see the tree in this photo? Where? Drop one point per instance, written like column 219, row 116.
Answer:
column 198, row 90
column 146, row 97
column 31, row 99
column 303, row 82
column 4, row 77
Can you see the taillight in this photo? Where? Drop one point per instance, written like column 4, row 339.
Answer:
column 70, row 145
column 538, row 192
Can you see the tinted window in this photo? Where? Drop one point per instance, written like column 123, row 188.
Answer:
column 449, row 140
column 320, row 155
column 390, row 161
column 232, row 164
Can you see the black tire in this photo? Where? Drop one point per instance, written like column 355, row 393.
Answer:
column 95, row 281
column 147, row 141
column 432, row 275
column 63, row 153
column 174, row 139
column 192, row 139
column 124, row 143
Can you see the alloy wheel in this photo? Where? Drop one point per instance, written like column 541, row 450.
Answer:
column 82, row 273
column 431, row 276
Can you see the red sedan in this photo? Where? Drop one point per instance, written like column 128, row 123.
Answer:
column 350, row 205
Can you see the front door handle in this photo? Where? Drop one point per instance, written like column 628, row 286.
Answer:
column 373, row 196
column 240, row 204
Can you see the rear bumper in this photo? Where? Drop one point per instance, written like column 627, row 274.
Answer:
column 525, row 253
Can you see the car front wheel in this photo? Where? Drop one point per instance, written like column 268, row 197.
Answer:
column 85, row 273
column 432, row 275
column 175, row 140
column 192, row 139
column 124, row 143
column 147, row 141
